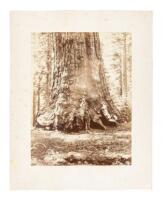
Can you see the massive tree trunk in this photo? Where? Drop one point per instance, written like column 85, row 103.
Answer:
column 80, row 97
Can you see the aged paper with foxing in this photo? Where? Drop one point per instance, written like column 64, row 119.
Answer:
column 81, row 112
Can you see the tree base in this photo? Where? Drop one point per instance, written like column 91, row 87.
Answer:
column 78, row 116
column 79, row 124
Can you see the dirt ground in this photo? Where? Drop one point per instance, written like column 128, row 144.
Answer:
column 96, row 147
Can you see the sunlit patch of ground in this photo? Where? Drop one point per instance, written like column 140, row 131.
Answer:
column 97, row 147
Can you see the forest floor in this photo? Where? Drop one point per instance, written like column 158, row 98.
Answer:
column 96, row 147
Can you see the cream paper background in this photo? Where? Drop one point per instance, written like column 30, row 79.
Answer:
column 25, row 176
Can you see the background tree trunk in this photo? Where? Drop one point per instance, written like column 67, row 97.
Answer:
column 125, row 64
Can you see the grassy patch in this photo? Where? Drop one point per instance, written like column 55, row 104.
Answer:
column 94, row 148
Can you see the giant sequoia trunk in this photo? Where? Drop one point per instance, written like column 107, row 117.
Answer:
column 80, row 97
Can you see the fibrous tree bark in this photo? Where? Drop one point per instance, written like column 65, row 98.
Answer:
column 80, row 96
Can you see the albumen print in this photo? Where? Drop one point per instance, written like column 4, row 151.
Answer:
column 81, row 98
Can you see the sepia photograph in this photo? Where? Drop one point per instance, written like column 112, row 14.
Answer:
column 81, row 99
column 81, row 102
